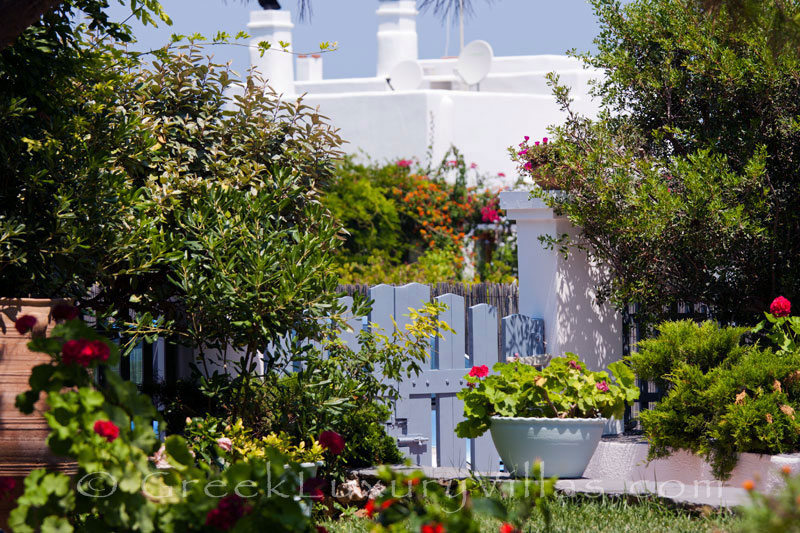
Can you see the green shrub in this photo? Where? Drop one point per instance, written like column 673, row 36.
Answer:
column 704, row 345
column 722, row 398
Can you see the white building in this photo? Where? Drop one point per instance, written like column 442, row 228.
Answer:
column 482, row 120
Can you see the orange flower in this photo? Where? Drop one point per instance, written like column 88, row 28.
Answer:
column 786, row 469
column 748, row 485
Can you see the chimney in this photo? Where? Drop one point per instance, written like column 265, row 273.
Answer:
column 276, row 66
column 309, row 68
column 397, row 34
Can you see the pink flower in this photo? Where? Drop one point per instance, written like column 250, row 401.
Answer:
column 227, row 512
column 83, row 352
column 453, row 162
column 160, row 458
column 523, row 151
column 65, row 312
column 544, row 140
column 7, row 485
column 602, row 386
column 501, row 174
column 25, row 323
column 479, row 371
column 528, row 165
column 107, row 429
column 489, row 215
column 575, row 365
column 536, row 143
column 473, row 165
column 332, row 441
column 404, row 163
column 225, row 443
column 527, row 138
column 780, row 306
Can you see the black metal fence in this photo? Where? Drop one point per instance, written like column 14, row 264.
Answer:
column 634, row 331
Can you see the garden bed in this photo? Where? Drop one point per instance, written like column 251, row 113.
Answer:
column 625, row 458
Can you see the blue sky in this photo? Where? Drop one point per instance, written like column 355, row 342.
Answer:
column 513, row 27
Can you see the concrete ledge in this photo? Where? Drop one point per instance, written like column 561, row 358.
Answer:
column 626, row 461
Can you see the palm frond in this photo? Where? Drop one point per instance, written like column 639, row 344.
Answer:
column 449, row 8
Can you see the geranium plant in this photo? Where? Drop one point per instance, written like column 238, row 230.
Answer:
column 563, row 389
column 128, row 480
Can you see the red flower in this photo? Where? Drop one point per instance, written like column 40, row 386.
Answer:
column 602, row 386
column 780, row 306
column 25, row 323
column 388, row 503
column 575, row 365
column 507, row 528
column 404, row 163
column 332, row 441
column 321, row 529
column 227, row 512
column 370, row 508
column 7, row 484
column 479, row 371
column 65, row 312
column 433, row 527
column 83, row 352
column 107, row 429
column 313, row 487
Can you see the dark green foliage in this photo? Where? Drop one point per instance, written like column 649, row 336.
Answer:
column 723, row 399
column 685, row 185
column 364, row 430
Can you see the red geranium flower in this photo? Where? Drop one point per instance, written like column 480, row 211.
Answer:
column 107, row 429
column 83, row 352
column 7, row 484
column 507, row 528
column 433, row 527
column 313, row 487
column 479, row 371
column 370, row 508
column 25, row 323
column 64, row 312
column 332, row 441
column 227, row 512
column 780, row 307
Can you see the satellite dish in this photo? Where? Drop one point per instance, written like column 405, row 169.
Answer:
column 405, row 76
column 475, row 62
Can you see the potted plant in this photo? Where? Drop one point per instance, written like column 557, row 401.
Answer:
column 555, row 414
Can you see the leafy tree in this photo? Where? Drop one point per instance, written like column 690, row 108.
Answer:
column 685, row 185
column 150, row 194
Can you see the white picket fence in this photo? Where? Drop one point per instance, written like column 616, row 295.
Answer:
column 425, row 417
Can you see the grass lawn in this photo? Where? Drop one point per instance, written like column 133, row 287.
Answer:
column 571, row 515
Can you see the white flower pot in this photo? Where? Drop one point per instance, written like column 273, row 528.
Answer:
column 564, row 445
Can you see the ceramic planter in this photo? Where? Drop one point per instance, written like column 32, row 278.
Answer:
column 564, row 445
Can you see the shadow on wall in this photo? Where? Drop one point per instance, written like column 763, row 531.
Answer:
column 584, row 327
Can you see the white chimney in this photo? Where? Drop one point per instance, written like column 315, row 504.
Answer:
column 397, row 34
column 276, row 65
column 309, row 67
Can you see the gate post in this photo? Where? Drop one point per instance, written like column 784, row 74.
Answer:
column 561, row 290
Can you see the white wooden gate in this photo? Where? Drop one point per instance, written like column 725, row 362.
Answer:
column 425, row 417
